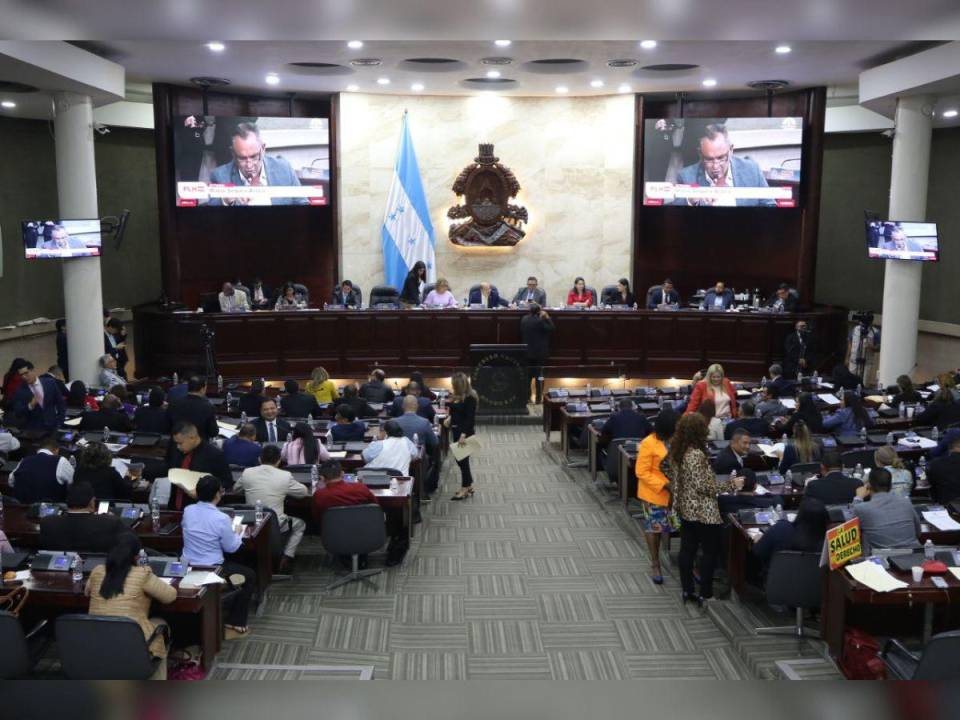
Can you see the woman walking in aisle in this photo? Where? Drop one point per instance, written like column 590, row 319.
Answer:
column 463, row 413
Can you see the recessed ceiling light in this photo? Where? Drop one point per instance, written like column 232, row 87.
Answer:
column 596, row 83
column 709, row 82
column 493, row 73
column 9, row 104
column 562, row 89
column 946, row 113
column 355, row 44
column 352, row 88
column 417, row 87
column 783, row 49
column 383, row 81
column 624, row 88
column 502, row 43
column 648, row 44
column 216, row 46
column 272, row 79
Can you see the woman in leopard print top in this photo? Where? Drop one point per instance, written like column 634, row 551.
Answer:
column 695, row 489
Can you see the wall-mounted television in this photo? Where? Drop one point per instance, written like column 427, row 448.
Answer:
column 61, row 238
column 231, row 161
column 895, row 240
column 722, row 162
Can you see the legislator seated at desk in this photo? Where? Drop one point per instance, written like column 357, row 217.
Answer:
column 110, row 415
column 289, row 299
column 375, row 390
column 619, row 295
column 532, row 293
column 346, row 295
column 109, row 375
column 392, row 451
column 413, row 424
column 346, row 427
column 361, row 407
column 305, row 448
column 271, row 428
column 769, row 408
column 195, row 409
column 261, row 296
column 486, row 295
column 321, row 386
column 802, row 448
column 746, row 497
column 152, row 417
column 440, row 296
column 785, row 299
column 43, row 477
column 804, row 534
column 424, row 407
column 778, row 385
column 242, row 449
column 806, row 411
column 189, row 451
column 95, row 466
column 731, row 458
column 942, row 411
column 249, row 402
column 851, row 418
column 80, row 529
column 664, row 296
column 37, row 402
column 719, row 297
column 627, row 422
column 906, row 392
column 944, row 474
column 233, row 299
column 580, row 296
column 296, row 403
column 833, row 487
column 886, row 520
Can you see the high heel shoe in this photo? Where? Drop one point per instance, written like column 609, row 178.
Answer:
column 657, row 579
column 691, row 597
column 463, row 493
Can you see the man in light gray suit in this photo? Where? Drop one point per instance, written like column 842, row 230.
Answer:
column 719, row 168
column 252, row 167
column 886, row 520
column 530, row 294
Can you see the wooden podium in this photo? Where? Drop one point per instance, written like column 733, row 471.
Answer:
column 500, row 378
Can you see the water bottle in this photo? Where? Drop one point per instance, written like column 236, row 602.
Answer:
column 863, row 434
column 311, row 423
column 859, row 389
column 589, row 389
column 889, row 438
column 76, row 569
column 139, row 398
column 155, row 513
column 289, row 437
column 443, row 400
column 229, row 399
column 928, row 553
column 783, row 438
column 258, row 512
column 176, row 378
column 816, row 378
column 611, row 403
column 935, row 434
column 243, row 417
column 73, row 461
column 789, row 478
column 219, row 383
column 922, row 472
column 903, row 410
column 314, row 478
column 858, row 471
column 778, row 511
column 416, row 439
column 394, row 485
column 106, row 434
column 799, row 376
column 763, row 381
column 142, row 558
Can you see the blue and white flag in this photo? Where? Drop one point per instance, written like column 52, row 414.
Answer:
column 407, row 232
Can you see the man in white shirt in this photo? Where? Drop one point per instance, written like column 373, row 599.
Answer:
column 8, row 443
column 393, row 450
column 44, row 476
column 270, row 485
column 233, row 300
column 108, row 372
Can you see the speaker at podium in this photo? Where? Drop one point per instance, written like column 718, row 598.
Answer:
column 500, row 378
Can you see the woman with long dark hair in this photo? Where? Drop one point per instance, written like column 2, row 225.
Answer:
column 95, row 466
column 305, row 449
column 806, row 411
column 79, row 398
column 851, row 417
column 412, row 290
column 462, row 420
column 121, row 588
column 802, row 449
column 12, row 381
column 694, row 488
column 653, row 488
column 623, row 296
column 579, row 296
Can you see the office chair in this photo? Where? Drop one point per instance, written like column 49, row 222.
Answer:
column 105, row 648
column 650, row 291
column 353, row 530
column 593, row 292
column 241, row 286
column 210, row 302
column 851, row 458
column 940, row 659
column 384, row 294
column 427, row 288
column 611, row 463
column 476, row 288
column 608, row 296
column 801, row 471
column 793, row 580
column 16, row 660
column 301, row 293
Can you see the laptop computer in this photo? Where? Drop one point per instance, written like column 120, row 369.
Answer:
column 248, row 516
column 373, row 478
column 905, row 562
column 145, row 440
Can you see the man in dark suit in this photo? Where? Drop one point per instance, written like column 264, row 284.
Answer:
column 532, row 293
column 535, row 330
column 43, row 476
column 261, row 296
column 718, row 297
column 797, row 350
column 779, row 386
column 346, row 295
column 110, row 415
column 755, row 426
column 252, row 167
column 250, row 401
column 627, row 422
column 189, row 451
column 734, row 455
column 664, row 295
column 38, row 403
column 81, row 529
column 55, row 373
column 944, row 474
column 347, row 428
column 152, row 417
column 243, row 449
column 746, row 497
column 486, row 295
column 361, row 407
column 833, row 487
column 783, row 300
column 375, row 390
column 195, row 409
column 296, row 403
column 424, row 407
column 271, row 428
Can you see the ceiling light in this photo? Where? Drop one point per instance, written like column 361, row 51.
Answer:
column 502, row 43
column 562, row 89
column 493, row 73
column 352, row 88
column 355, row 44
column 417, row 87
column 648, row 44
column 783, row 49
column 383, row 81
column 709, row 82
column 624, row 88
column 216, row 46
column 272, row 79
column 8, row 104
column 946, row 113
column 596, row 83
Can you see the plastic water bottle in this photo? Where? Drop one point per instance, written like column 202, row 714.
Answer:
column 142, row 558
column 779, row 512
column 76, row 569
column 289, row 437
column 443, row 401
column 229, row 399
column 106, row 434
column 139, row 398
column 922, row 472
column 258, row 512
column 935, row 434
column 176, row 378
column 394, row 485
column 889, row 438
column 589, row 389
column 903, row 410
column 314, row 478
column 155, row 513
column 243, row 417
column 416, row 439
column 858, row 471
column 789, row 478
column 816, row 378
column 859, row 389
column 611, row 403
column 219, row 383
column 310, row 421
column 783, row 438
column 73, row 461
column 863, row 434
column 763, row 381
column 928, row 553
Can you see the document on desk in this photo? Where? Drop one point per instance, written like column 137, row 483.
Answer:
column 916, row 441
column 185, row 479
column 829, row 398
column 941, row 520
column 199, row 578
column 789, row 403
column 875, row 398
column 955, row 571
column 73, row 422
column 227, row 430
column 874, row 577
column 337, row 454
column 775, row 450
column 467, row 449
column 761, row 490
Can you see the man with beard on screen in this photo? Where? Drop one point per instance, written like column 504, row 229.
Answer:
column 718, row 167
column 252, row 167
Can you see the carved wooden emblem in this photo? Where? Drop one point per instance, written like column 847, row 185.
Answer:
column 487, row 187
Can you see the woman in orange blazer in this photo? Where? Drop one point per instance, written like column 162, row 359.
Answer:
column 652, row 488
column 715, row 386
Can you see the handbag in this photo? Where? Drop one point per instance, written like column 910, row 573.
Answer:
column 12, row 599
column 860, row 658
column 185, row 665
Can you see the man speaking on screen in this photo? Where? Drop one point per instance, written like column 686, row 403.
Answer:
column 252, row 167
column 719, row 168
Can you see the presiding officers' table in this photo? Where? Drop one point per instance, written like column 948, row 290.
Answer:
column 585, row 343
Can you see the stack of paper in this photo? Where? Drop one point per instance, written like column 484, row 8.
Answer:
column 941, row 520
column 775, row 450
column 186, row 480
column 199, row 578
column 829, row 398
column 874, row 577
column 789, row 403
column 955, row 571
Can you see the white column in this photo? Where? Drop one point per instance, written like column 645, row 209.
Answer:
column 77, row 195
column 908, row 201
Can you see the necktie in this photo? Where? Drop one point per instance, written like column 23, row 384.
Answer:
column 37, row 388
column 272, row 432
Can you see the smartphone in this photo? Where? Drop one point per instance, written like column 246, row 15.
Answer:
column 103, row 507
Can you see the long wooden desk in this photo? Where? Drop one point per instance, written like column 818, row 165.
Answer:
column 586, row 343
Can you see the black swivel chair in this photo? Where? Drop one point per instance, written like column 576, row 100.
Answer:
column 940, row 660
column 864, row 457
column 793, row 580
column 650, row 291
column 105, row 648
column 16, row 660
column 611, row 463
column 593, row 292
column 427, row 288
column 353, row 530
column 609, row 295
column 301, row 293
column 801, row 471
column 241, row 286
column 384, row 295
column 210, row 302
